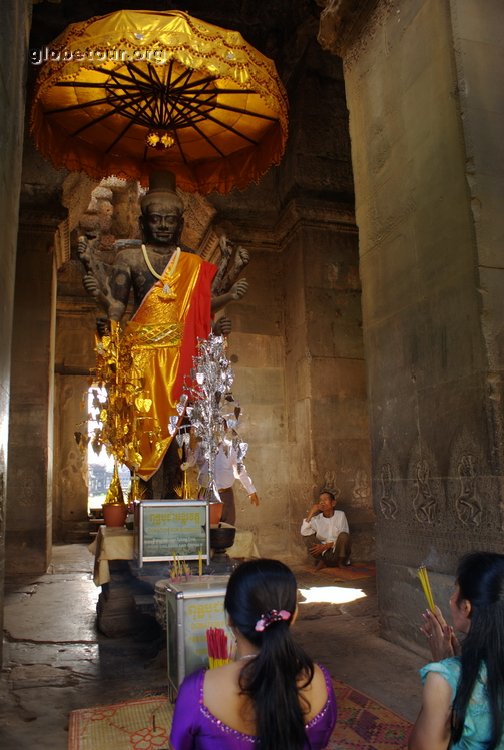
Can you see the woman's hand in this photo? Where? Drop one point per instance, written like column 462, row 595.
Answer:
column 440, row 636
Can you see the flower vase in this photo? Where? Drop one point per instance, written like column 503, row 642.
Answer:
column 215, row 513
column 114, row 514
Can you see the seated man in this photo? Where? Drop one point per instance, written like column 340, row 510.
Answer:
column 326, row 533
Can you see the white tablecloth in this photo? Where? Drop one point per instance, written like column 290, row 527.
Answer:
column 110, row 544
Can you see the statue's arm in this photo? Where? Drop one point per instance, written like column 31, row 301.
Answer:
column 239, row 260
column 226, row 252
column 96, row 278
column 237, row 291
column 109, row 286
column 120, row 287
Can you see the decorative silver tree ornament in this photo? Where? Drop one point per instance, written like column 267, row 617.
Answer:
column 210, row 408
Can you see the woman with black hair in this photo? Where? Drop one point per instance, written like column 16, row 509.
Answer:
column 463, row 697
column 272, row 697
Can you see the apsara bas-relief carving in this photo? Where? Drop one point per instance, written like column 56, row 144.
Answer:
column 468, row 505
column 426, row 489
column 387, row 502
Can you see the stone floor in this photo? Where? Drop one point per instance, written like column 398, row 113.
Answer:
column 55, row 661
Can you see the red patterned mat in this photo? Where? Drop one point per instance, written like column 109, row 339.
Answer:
column 364, row 724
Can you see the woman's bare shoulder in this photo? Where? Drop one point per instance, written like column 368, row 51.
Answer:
column 224, row 699
column 315, row 694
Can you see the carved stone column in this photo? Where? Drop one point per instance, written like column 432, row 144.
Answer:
column 297, row 336
column 14, row 32
column 29, row 527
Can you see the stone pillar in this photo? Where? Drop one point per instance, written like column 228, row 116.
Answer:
column 74, row 359
column 423, row 83
column 324, row 369
column 14, row 32
column 325, row 375
column 304, row 379
column 70, row 490
column 256, row 351
column 29, row 528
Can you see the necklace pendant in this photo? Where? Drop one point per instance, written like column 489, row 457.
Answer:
column 166, row 293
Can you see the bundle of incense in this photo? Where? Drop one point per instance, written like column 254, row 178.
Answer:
column 177, row 570
column 186, row 570
column 424, row 580
column 217, row 645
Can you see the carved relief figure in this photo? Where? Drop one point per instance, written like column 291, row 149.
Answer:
column 330, row 483
column 360, row 490
column 467, row 505
column 424, row 502
column 388, row 505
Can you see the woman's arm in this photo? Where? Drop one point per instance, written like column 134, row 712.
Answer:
column 431, row 730
column 185, row 714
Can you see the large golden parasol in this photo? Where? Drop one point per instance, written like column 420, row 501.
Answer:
column 138, row 91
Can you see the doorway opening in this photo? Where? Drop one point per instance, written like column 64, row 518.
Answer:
column 100, row 464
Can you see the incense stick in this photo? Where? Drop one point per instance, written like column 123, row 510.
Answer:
column 424, row 580
column 217, row 644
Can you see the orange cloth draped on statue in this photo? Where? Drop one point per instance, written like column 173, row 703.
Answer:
column 163, row 336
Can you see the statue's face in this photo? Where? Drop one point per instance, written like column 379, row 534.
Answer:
column 161, row 224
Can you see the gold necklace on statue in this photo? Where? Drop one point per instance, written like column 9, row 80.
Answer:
column 167, row 291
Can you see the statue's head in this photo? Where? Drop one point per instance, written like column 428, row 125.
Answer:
column 161, row 220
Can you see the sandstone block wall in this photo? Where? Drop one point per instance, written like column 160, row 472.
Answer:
column 425, row 106
column 14, row 30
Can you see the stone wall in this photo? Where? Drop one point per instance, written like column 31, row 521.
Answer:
column 41, row 240
column 305, row 219
column 14, row 30
column 425, row 108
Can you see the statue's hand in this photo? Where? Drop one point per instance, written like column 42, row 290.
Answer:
column 103, row 297
column 102, row 326
column 222, row 327
column 239, row 289
column 83, row 250
column 91, row 285
column 115, row 309
column 242, row 255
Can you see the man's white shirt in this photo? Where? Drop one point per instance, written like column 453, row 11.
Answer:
column 326, row 529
